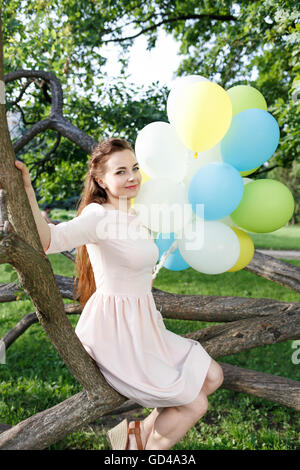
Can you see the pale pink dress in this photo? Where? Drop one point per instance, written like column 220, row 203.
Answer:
column 120, row 326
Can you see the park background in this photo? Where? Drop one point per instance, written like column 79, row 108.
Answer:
column 116, row 62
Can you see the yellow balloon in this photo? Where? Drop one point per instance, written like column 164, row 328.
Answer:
column 144, row 179
column 246, row 250
column 203, row 113
column 144, row 176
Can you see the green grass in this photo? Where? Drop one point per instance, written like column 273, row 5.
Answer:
column 34, row 377
column 286, row 238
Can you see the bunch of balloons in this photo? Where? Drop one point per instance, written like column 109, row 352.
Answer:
column 198, row 162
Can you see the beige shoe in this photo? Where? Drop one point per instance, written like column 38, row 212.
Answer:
column 119, row 435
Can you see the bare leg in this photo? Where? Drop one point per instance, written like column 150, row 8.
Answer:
column 146, row 427
column 174, row 422
column 149, row 421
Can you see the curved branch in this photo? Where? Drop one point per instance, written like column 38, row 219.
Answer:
column 176, row 19
column 28, row 320
column 241, row 335
column 55, row 120
column 50, row 77
column 71, row 132
column 275, row 270
column 37, row 128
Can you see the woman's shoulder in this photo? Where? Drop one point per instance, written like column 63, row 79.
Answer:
column 93, row 207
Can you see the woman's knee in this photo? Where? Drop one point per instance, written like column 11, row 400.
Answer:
column 214, row 378
column 196, row 408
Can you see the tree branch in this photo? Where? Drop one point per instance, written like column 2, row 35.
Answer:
column 28, row 320
column 206, row 308
column 176, row 19
column 43, row 429
column 49, row 426
column 241, row 335
column 277, row 389
column 55, row 120
column 284, row 274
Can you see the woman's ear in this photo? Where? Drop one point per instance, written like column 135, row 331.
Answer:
column 100, row 182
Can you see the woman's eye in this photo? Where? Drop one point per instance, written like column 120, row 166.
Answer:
column 121, row 171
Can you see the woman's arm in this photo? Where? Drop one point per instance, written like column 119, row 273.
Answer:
column 41, row 225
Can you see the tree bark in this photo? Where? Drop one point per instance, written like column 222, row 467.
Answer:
column 271, row 387
column 55, row 120
column 275, row 270
column 218, row 308
column 231, row 338
column 45, row 428
column 50, row 426
column 186, row 307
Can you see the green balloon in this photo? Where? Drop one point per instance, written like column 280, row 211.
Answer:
column 245, row 97
column 266, row 205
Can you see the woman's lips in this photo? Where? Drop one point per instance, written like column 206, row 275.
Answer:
column 131, row 187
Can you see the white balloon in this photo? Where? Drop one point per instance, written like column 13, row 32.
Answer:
column 228, row 221
column 203, row 158
column 161, row 205
column 160, row 152
column 247, row 180
column 212, row 250
column 176, row 88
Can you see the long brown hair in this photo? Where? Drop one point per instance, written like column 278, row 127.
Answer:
column 93, row 192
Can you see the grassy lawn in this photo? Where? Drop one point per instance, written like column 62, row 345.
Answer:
column 286, row 238
column 34, row 377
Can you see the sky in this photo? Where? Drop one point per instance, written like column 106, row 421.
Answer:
column 146, row 67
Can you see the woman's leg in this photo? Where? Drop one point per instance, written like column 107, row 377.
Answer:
column 214, row 378
column 146, row 426
column 149, row 421
column 172, row 423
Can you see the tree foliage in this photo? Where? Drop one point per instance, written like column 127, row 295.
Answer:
column 242, row 42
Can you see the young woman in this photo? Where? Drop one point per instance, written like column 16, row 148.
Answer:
column 120, row 326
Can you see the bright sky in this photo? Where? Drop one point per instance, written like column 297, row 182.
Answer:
column 146, row 67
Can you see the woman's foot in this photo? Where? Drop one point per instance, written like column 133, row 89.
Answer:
column 132, row 442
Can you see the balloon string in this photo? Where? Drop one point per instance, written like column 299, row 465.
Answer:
column 196, row 155
column 159, row 265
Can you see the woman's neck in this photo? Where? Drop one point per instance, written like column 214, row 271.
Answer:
column 121, row 205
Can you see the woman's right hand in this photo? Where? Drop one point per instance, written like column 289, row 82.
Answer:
column 25, row 174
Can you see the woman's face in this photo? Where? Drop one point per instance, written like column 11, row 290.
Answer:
column 122, row 172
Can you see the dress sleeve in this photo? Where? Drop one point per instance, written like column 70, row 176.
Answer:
column 79, row 231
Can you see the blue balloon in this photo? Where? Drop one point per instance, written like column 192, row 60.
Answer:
column 251, row 140
column 174, row 261
column 219, row 187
